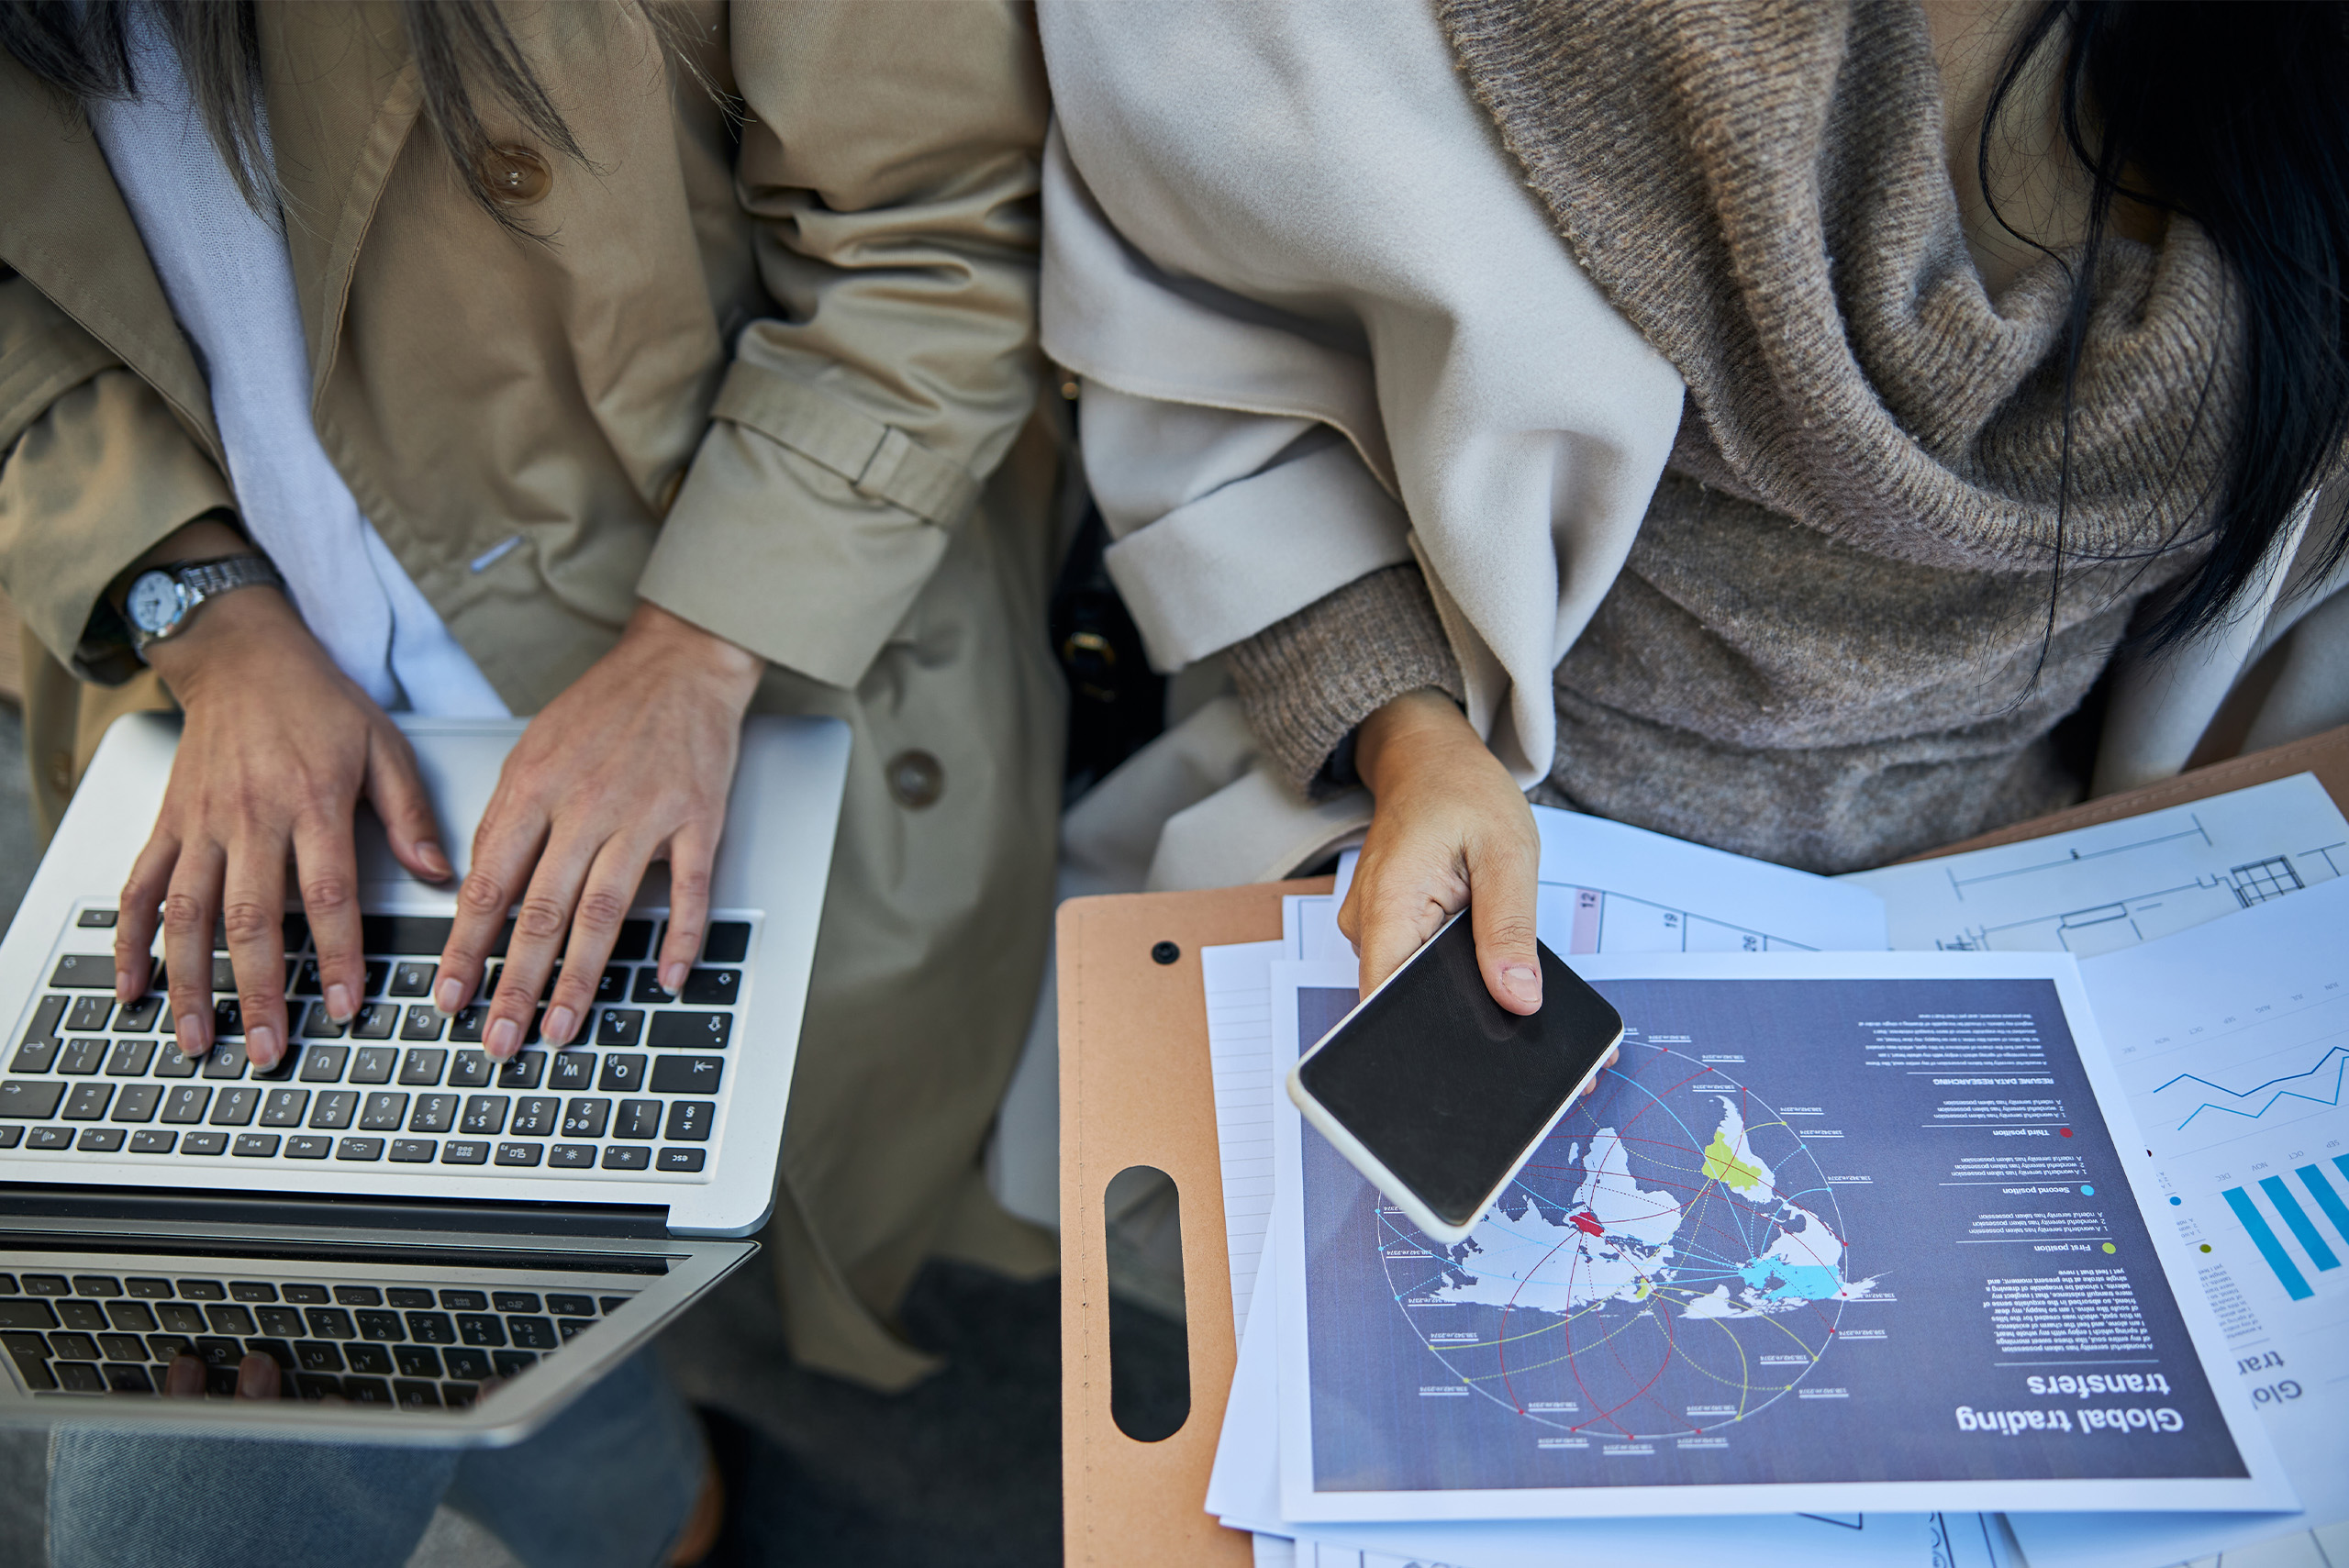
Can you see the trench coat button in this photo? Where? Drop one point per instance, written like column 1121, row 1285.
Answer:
column 915, row 779
column 515, row 175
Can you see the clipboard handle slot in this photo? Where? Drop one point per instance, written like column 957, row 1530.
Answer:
column 1150, row 1354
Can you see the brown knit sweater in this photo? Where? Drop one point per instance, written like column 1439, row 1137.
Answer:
column 1842, row 633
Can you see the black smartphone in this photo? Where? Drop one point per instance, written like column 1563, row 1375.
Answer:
column 1436, row 1093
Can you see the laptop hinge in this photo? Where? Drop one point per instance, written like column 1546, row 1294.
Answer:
column 635, row 1222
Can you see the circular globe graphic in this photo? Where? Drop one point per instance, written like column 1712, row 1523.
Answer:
column 1670, row 1262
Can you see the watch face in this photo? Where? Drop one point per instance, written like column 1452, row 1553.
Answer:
column 154, row 602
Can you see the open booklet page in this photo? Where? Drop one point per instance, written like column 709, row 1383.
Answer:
column 1710, row 1291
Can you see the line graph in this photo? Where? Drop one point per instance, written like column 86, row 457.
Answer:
column 2336, row 1059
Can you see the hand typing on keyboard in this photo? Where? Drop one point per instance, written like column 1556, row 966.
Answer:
column 630, row 765
column 277, row 750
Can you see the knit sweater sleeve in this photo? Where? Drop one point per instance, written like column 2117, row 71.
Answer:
column 1308, row 681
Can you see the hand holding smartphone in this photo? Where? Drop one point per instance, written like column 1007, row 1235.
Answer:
column 1437, row 1093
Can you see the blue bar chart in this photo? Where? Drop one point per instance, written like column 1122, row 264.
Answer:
column 2317, row 1249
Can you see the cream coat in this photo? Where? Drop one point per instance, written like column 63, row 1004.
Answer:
column 1324, row 328
column 774, row 379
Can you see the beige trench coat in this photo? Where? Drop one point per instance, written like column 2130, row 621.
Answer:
column 777, row 379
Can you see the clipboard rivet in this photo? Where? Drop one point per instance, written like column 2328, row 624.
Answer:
column 1166, row 952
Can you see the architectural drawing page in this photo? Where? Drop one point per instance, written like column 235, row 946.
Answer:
column 1815, row 1244
column 2119, row 884
column 2232, row 1042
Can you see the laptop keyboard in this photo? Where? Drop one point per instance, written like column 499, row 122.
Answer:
column 641, row 1095
column 418, row 1345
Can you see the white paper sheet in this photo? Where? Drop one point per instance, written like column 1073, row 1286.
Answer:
column 1438, row 1464
column 2232, row 1042
column 2121, row 883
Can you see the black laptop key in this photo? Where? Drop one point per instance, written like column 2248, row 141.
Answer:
column 334, row 1109
column 519, row 1154
column 361, row 1148
column 308, row 1146
column 571, row 1070
column 406, row 1296
column 285, row 1108
column 45, row 1019
column 174, row 1062
column 82, row 1057
column 626, row 1157
column 88, row 1102
column 315, row 1387
column 379, row 1325
column 129, row 1058
column 11, row 1135
column 100, row 1140
column 251, row 1291
column 320, row 1024
column 227, row 1017
column 46, row 1284
column 571, row 1157
column 481, row 1329
column 413, row 978
column 36, row 1056
column 623, row 1074
column 434, row 1113
column 514, row 1301
column 89, row 1013
column 512, row 1363
column 84, row 972
column 565, row 1305
column 255, row 1146
column 87, row 1315
column 137, row 1102
column 122, row 1347
column 469, row 1022
column 522, row 1072
column 283, row 1322
column 470, row 1069
column 467, row 1363
column 367, row 1391
column 612, row 986
column 373, row 1359
column 49, row 1138
column 430, row 1329
column 375, row 1020
column 229, row 1318
column 149, row 1289
column 638, row 1120
column 535, row 1116
column 586, row 1117
column 648, row 990
column 404, row 935
column 484, row 1114
column 421, row 1022
column 384, row 1112
column 129, row 1380
column 226, row 1059
column 687, row 1075
column 411, row 1394
column 205, row 1143
column 422, row 1067
column 306, row 980
column 26, row 1312
column 235, row 1107
column 414, row 1151
column 138, row 1017
column 729, row 942
column 283, row 1072
column 131, row 1316
column 711, row 987
column 187, row 1103
column 674, row 1028
column 323, row 1063
column 682, row 1160
column 181, row 1318
column 73, row 1347
column 79, row 1377
column 532, row 1333
column 219, row 1351
column 465, row 1152
column 689, row 1121
column 318, row 1355
column 378, row 974
column 29, row 1098
column 620, row 1025
column 570, row 1327
column 633, row 944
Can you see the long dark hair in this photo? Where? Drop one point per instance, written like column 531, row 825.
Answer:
column 84, row 51
column 2233, row 115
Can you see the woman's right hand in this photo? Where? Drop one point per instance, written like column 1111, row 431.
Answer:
column 1449, row 829
column 277, row 748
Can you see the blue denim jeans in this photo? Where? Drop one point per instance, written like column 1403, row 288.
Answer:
column 605, row 1484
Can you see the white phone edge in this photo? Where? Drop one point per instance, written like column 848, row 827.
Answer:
column 1374, row 1170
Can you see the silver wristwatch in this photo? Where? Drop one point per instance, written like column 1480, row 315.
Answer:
column 161, row 601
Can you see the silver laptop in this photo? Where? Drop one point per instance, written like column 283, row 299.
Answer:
column 433, row 1247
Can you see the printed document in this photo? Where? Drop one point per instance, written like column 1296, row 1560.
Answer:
column 1842, row 1232
column 2232, row 1043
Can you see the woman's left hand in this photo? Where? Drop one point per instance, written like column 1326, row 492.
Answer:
column 630, row 765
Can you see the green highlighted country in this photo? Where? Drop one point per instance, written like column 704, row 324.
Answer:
column 1723, row 1165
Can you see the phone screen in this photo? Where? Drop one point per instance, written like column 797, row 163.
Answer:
column 1447, row 1087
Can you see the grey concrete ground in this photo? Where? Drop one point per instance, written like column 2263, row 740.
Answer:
column 965, row 1470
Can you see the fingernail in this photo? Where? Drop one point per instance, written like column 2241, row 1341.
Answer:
column 191, row 1031
column 123, row 990
column 1524, row 981
column 449, row 996
column 672, row 978
column 338, row 1006
column 261, row 1046
column 558, row 1025
column 434, row 860
column 504, row 1035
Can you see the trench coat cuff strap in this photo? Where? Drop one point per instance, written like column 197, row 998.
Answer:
column 878, row 460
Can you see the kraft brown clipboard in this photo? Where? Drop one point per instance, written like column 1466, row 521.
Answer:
column 1135, row 1090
